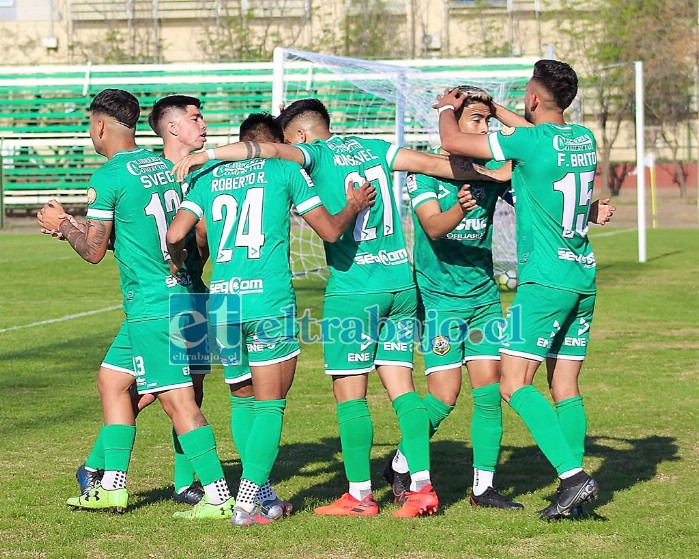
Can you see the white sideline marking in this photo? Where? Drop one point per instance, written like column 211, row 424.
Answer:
column 61, row 319
column 610, row 233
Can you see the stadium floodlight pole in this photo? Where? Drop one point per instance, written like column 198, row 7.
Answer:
column 640, row 164
column 278, row 80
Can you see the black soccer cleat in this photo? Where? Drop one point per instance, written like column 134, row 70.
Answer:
column 492, row 499
column 189, row 496
column 88, row 479
column 399, row 482
column 572, row 493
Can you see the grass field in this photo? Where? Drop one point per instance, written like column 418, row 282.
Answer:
column 640, row 383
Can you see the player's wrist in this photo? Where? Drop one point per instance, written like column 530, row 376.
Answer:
column 211, row 153
column 440, row 110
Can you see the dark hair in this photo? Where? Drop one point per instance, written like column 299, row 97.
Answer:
column 303, row 107
column 475, row 95
column 165, row 105
column 261, row 127
column 118, row 104
column 559, row 79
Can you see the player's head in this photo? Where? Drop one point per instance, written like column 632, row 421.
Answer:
column 304, row 121
column 475, row 114
column 177, row 118
column 113, row 116
column 261, row 127
column 552, row 87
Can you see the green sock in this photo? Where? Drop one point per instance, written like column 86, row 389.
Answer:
column 118, row 443
column 95, row 460
column 486, row 426
column 437, row 411
column 241, row 423
column 573, row 421
column 541, row 420
column 184, row 473
column 199, row 445
column 415, row 430
column 356, row 438
column 263, row 441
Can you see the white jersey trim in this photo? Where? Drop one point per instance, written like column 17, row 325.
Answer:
column 236, row 380
column 531, row 356
column 430, row 370
column 192, row 207
column 306, row 156
column 163, row 388
column 363, row 371
column 119, row 369
column 495, row 148
column 308, row 205
column 100, row 214
column 481, row 358
column 420, row 198
column 391, row 155
column 274, row 361
column 566, row 357
column 378, row 363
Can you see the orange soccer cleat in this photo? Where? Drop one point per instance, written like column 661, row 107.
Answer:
column 349, row 506
column 419, row 503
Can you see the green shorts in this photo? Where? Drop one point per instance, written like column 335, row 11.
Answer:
column 365, row 330
column 451, row 338
column 119, row 356
column 189, row 332
column 255, row 343
column 151, row 349
column 547, row 322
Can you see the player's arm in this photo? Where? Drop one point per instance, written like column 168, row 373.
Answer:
column 436, row 165
column 601, row 212
column 202, row 240
column 181, row 225
column 89, row 240
column 239, row 151
column 438, row 223
column 509, row 118
column 453, row 139
column 331, row 227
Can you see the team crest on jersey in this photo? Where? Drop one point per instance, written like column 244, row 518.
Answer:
column 507, row 130
column 91, row 196
column 440, row 346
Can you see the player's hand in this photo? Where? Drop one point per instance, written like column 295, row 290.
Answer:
column 188, row 163
column 601, row 212
column 450, row 97
column 50, row 217
column 362, row 197
column 466, row 199
column 57, row 234
column 176, row 267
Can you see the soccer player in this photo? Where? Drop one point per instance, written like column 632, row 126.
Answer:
column 253, row 305
column 374, row 328
column 134, row 194
column 553, row 175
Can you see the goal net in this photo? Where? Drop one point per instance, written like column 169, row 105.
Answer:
column 391, row 101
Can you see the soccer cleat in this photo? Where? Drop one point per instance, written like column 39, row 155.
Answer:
column 241, row 517
column 98, row 498
column 399, row 482
column 349, row 506
column 205, row 509
column 88, row 479
column 570, row 497
column 419, row 503
column 276, row 508
column 492, row 499
column 190, row 495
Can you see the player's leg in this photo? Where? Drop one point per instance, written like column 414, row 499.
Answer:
column 394, row 364
column 348, row 356
column 272, row 356
column 483, row 364
column 534, row 320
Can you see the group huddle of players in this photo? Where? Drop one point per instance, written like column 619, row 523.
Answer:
column 168, row 214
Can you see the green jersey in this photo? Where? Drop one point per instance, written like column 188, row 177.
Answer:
column 371, row 256
column 456, row 270
column 553, row 176
column 246, row 205
column 136, row 191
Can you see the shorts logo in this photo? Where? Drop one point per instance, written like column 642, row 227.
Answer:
column 440, row 346
column 91, row 196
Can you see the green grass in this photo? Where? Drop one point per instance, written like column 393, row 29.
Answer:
column 641, row 394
